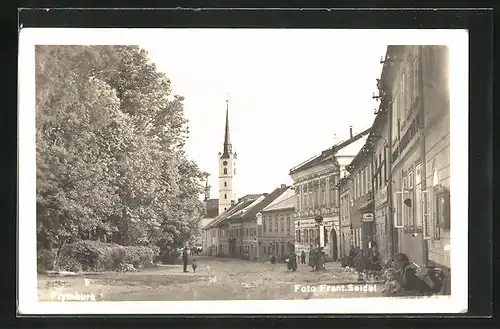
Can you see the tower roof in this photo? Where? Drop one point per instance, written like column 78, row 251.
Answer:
column 227, row 137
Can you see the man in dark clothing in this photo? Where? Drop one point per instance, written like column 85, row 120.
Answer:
column 185, row 259
column 411, row 284
column 303, row 257
column 375, row 266
column 292, row 261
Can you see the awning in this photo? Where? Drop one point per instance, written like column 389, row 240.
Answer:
column 367, row 206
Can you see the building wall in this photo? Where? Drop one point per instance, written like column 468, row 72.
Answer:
column 361, row 194
column 222, row 244
column 269, row 237
column 420, row 92
column 317, row 194
column 380, row 176
column 307, row 227
column 345, row 217
column 437, row 147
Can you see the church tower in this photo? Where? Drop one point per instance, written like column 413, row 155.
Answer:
column 227, row 170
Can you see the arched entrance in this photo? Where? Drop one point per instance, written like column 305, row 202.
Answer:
column 333, row 244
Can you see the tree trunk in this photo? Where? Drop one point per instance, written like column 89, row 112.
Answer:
column 56, row 258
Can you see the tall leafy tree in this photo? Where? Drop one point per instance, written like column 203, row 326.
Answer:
column 110, row 160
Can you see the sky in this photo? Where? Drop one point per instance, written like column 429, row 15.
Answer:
column 292, row 94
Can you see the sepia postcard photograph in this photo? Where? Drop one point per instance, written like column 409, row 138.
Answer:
column 216, row 171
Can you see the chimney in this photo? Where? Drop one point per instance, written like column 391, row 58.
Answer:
column 350, row 131
column 283, row 185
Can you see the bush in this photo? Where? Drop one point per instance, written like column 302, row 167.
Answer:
column 45, row 260
column 139, row 256
column 99, row 256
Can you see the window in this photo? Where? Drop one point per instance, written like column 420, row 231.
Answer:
column 225, row 196
column 365, row 180
column 323, row 195
column 386, row 169
column 369, row 177
column 395, row 113
column 276, row 223
column 442, row 214
column 298, row 202
column 358, row 186
column 225, row 184
column 288, row 224
column 309, row 197
column 297, row 233
column 235, row 171
column 306, row 236
column 264, row 224
column 246, row 231
column 355, row 185
column 312, row 235
column 403, row 104
column 225, row 171
column 270, row 224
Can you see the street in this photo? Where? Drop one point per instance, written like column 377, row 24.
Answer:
column 215, row 279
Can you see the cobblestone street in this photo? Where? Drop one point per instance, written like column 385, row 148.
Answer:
column 215, row 279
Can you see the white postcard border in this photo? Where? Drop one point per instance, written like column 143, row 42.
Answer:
column 28, row 304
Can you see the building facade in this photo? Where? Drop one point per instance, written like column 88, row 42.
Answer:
column 317, row 195
column 415, row 82
column 362, row 206
column 217, row 231
column 244, row 227
column 379, row 141
column 345, row 215
column 436, row 107
column 276, row 235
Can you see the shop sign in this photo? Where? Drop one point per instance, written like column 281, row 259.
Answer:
column 368, row 217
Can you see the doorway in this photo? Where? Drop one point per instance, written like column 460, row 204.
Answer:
column 333, row 241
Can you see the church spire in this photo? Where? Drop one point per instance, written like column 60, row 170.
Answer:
column 228, row 148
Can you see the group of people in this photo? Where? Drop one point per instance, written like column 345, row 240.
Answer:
column 185, row 261
column 317, row 259
column 365, row 262
column 401, row 279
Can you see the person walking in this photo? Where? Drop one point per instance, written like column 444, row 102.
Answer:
column 302, row 257
column 185, row 259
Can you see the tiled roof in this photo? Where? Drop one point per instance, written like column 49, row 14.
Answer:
column 255, row 209
column 205, row 221
column 285, row 201
column 241, row 212
column 240, row 205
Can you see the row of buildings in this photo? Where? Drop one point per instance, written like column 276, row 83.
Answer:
column 393, row 193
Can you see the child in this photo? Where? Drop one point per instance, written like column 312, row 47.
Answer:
column 391, row 285
column 194, row 265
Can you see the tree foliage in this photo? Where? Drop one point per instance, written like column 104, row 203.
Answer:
column 110, row 159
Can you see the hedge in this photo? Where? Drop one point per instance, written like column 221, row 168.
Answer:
column 90, row 256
